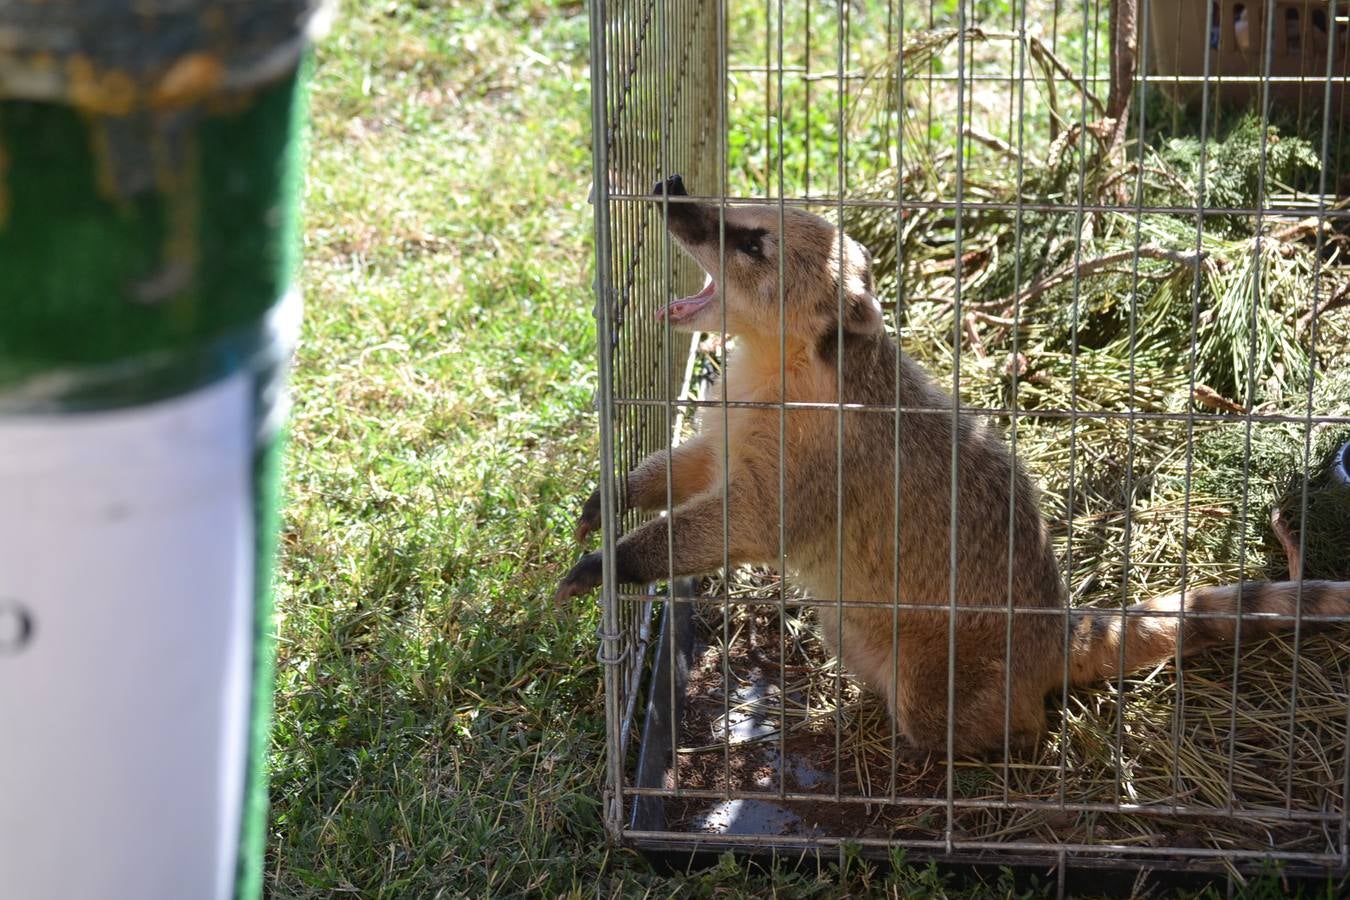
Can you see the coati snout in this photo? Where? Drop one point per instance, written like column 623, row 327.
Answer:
column 865, row 518
column 748, row 250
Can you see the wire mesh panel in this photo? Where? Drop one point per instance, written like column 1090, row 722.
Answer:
column 1115, row 237
column 655, row 102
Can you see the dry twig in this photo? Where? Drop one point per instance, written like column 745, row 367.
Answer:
column 1188, row 258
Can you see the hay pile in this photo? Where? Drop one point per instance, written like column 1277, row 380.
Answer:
column 1220, row 343
column 1212, row 742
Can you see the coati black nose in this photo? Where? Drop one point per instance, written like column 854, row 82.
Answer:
column 672, row 186
column 687, row 221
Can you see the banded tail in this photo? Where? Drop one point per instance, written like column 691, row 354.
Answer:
column 1268, row 607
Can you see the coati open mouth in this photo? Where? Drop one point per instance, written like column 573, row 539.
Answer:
column 690, row 225
column 683, row 309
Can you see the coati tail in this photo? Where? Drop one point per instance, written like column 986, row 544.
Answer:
column 1211, row 619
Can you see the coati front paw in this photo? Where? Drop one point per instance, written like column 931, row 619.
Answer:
column 584, row 578
column 589, row 520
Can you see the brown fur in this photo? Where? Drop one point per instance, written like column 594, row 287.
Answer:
column 993, row 494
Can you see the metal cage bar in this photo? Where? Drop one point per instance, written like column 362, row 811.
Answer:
column 967, row 139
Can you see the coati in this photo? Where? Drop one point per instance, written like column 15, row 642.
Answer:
column 809, row 349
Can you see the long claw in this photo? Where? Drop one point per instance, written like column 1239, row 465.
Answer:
column 589, row 520
column 584, row 577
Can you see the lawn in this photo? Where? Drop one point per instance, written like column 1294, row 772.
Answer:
column 439, row 723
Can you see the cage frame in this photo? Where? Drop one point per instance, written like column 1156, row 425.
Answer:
column 635, row 788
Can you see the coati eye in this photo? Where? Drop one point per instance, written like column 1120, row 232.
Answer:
column 751, row 247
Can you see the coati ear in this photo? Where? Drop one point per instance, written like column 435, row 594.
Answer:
column 862, row 309
column 862, row 314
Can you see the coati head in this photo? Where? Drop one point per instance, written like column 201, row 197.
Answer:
column 744, row 279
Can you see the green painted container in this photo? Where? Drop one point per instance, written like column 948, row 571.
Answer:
column 150, row 171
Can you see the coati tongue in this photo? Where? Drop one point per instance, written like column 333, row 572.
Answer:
column 684, row 307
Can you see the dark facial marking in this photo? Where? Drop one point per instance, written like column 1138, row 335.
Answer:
column 750, row 242
column 747, row 241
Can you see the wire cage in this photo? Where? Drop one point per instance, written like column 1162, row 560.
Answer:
column 1122, row 245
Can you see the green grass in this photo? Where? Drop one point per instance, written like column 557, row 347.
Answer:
column 440, row 725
